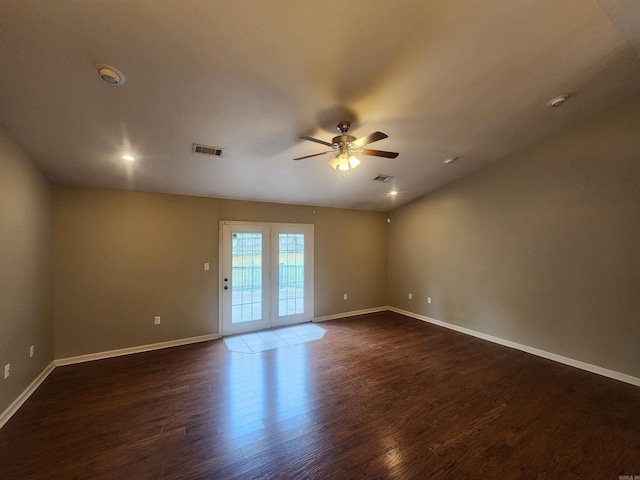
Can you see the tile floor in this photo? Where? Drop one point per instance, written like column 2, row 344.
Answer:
column 255, row 342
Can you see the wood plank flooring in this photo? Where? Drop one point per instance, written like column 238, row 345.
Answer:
column 380, row 396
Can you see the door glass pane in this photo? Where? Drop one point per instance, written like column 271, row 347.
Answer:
column 246, row 277
column 290, row 274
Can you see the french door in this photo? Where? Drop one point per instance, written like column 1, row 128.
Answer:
column 266, row 275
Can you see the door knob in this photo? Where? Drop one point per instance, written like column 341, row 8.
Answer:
column 226, row 287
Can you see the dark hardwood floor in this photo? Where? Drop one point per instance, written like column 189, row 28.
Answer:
column 380, row 396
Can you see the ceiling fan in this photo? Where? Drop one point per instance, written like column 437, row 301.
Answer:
column 346, row 146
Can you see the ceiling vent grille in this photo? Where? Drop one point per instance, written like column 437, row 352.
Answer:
column 382, row 178
column 207, row 150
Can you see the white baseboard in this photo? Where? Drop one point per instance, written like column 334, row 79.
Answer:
column 128, row 351
column 623, row 377
column 18, row 402
column 351, row 314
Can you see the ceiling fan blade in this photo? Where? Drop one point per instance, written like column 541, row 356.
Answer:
column 311, row 139
column 380, row 153
column 314, row 155
column 374, row 137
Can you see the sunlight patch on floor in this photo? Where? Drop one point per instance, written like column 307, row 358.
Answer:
column 256, row 342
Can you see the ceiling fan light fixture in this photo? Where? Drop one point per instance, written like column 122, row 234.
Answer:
column 343, row 162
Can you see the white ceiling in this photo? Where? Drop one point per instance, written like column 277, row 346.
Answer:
column 465, row 78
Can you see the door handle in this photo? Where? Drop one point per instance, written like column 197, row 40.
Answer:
column 226, row 287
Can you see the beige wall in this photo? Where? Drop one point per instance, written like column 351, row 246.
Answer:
column 25, row 270
column 541, row 248
column 123, row 257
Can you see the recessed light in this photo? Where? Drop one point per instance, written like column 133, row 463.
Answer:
column 393, row 192
column 559, row 100
column 110, row 74
column 449, row 160
column 128, row 157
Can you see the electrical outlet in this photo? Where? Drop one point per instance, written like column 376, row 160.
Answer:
column 206, row 265
column 157, row 320
column 7, row 370
column 428, row 299
column 345, row 296
column 410, row 296
column 31, row 351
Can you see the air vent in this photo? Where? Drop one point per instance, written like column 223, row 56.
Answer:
column 207, row 150
column 382, row 178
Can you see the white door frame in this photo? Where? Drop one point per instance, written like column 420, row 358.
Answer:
column 273, row 266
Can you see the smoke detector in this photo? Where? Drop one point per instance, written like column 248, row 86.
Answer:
column 559, row 100
column 449, row 160
column 110, row 74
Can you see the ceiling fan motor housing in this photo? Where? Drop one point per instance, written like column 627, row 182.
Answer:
column 343, row 139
